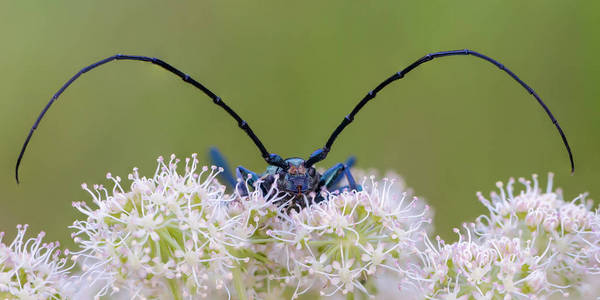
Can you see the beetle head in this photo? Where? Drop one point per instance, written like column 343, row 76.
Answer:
column 297, row 178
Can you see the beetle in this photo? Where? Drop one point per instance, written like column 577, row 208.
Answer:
column 295, row 176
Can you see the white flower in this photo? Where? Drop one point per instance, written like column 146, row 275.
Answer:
column 31, row 269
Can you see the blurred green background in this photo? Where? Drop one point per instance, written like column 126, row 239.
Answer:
column 293, row 70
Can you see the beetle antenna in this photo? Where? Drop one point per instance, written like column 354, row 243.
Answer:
column 321, row 154
column 216, row 99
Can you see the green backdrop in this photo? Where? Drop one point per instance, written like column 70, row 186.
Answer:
column 293, row 70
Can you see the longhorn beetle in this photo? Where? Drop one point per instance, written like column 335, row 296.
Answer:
column 295, row 176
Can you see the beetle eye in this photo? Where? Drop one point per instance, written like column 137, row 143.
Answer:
column 301, row 170
column 292, row 170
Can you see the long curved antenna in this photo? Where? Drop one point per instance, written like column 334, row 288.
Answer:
column 321, row 154
column 216, row 99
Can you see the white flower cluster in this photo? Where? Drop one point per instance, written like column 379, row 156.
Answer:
column 484, row 268
column 531, row 245
column 31, row 269
column 338, row 245
column 181, row 236
column 170, row 236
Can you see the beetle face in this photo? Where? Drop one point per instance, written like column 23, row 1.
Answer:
column 298, row 179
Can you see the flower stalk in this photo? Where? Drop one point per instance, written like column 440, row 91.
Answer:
column 238, row 282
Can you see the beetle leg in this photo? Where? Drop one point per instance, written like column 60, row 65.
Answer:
column 334, row 175
column 246, row 178
column 330, row 176
column 319, row 198
column 351, row 183
column 349, row 163
column 218, row 160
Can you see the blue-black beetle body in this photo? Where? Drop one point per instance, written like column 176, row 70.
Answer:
column 296, row 179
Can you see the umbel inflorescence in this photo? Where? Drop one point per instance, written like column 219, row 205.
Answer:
column 180, row 235
column 32, row 269
column 532, row 244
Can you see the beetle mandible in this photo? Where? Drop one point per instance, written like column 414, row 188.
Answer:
column 296, row 176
